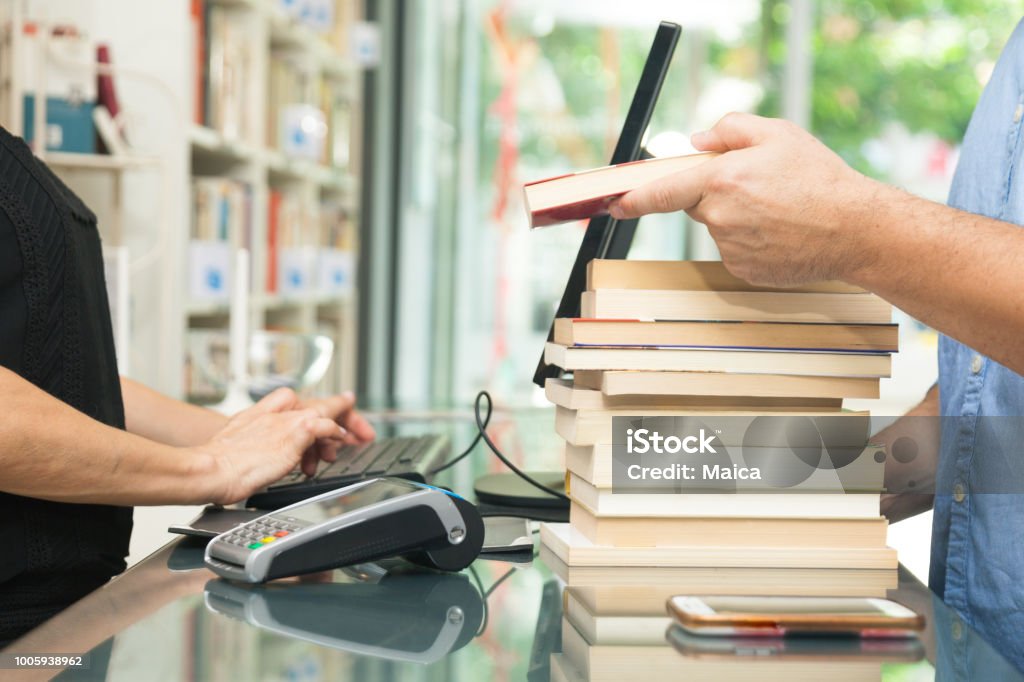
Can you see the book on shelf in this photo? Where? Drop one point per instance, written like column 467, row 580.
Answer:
column 728, row 334
column 337, row 108
column 280, row 82
column 577, row 196
column 591, row 427
column 310, row 246
column 644, row 383
column 291, row 244
column 274, row 198
column 603, row 502
column 222, row 211
column 572, row 547
column 689, row 275
column 336, row 268
column 346, row 15
column 593, row 463
column 867, row 533
column 296, row 122
column 227, row 72
column 110, row 137
column 221, row 221
column 865, row 365
column 644, row 589
column 739, row 306
column 563, row 393
column 336, row 225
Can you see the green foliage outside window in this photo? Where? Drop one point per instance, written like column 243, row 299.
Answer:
column 921, row 63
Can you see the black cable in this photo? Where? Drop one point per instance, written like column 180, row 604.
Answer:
column 483, row 600
column 499, row 581
column 481, row 425
column 481, row 434
column 465, row 453
column 485, row 594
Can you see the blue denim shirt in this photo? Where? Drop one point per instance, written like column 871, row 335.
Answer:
column 977, row 562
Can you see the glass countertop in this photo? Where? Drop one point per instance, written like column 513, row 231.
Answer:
column 168, row 618
column 533, row 618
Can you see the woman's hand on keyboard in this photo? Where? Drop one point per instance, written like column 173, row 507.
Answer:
column 263, row 443
column 342, row 410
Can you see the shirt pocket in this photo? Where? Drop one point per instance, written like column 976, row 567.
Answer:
column 1013, row 196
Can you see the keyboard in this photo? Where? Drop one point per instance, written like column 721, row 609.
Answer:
column 409, row 457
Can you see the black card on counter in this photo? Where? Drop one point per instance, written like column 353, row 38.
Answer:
column 215, row 520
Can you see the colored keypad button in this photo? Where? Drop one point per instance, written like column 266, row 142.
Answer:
column 255, row 545
column 281, row 533
column 268, row 539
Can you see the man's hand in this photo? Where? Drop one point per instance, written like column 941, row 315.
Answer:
column 341, row 410
column 912, row 447
column 777, row 202
column 263, row 443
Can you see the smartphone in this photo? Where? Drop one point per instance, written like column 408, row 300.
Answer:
column 782, row 616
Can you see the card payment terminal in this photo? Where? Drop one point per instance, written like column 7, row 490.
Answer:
column 367, row 521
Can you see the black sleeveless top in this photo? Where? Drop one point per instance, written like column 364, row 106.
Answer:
column 55, row 332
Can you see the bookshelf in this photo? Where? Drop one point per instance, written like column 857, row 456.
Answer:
column 229, row 136
column 291, row 194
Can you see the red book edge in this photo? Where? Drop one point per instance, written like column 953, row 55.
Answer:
column 579, row 210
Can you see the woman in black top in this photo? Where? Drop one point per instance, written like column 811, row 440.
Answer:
column 79, row 445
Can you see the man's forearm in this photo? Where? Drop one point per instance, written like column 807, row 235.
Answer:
column 955, row 271
column 51, row 451
column 157, row 417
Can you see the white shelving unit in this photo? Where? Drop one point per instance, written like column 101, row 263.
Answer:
column 263, row 169
column 156, row 39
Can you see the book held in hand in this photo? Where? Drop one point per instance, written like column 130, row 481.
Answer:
column 578, row 196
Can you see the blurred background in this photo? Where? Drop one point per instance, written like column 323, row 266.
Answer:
column 493, row 94
column 368, row 157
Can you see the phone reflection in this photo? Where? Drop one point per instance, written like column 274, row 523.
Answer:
column 809, row 648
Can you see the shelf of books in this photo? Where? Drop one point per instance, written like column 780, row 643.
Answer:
column 273, row 148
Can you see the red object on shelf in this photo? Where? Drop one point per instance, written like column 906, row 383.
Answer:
column 106, row 94
column 199, row 35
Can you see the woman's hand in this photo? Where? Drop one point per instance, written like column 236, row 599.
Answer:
column 263, row 443
column 341, row 410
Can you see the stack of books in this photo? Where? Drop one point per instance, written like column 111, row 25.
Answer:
column 688, row 340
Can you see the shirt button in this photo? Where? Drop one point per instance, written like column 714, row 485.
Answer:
column 958, row 492
column 957, row 630
column 976, row 363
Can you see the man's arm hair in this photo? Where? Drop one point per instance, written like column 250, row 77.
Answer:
column 955, row 271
